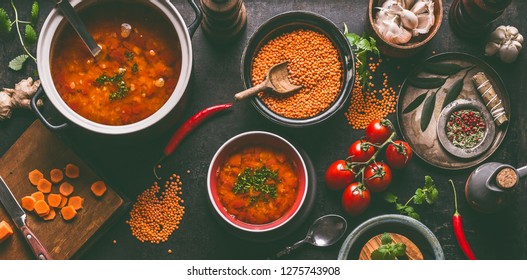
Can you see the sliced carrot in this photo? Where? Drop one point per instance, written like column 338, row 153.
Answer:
column 5, row 231
column 63, row 201
column 41, row 208
column 76, row 202
column 44, row 185
column 28, row 203
column 35, row 176
column 50, row 216
column 38, row 195
column 98, row 188
column 72, row 171
column 56, row 175
column 68, row 213
column 66, row 189
column 54, row 199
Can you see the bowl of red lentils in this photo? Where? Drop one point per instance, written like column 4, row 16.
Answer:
column 320, row 60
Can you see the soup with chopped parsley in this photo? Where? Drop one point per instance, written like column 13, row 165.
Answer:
column 257, row 184
column 134, row 74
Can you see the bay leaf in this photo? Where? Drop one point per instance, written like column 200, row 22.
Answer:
column 428, row 111
column 453, row 92
column 415, row 103
column 442, row 68
column 426, row 83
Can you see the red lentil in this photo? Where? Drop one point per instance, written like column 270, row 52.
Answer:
column 157, row 212
column 367, row 106
column 314, row 63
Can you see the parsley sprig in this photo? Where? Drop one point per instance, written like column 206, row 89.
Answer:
column 115, row 80
column 261, row 183
column 364, row 47
column 428, row 194
column 388, row 250
column 30, row 35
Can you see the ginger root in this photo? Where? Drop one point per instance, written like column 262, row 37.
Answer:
column 19, row 97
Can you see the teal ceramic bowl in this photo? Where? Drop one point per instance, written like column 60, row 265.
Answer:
column 414, row 230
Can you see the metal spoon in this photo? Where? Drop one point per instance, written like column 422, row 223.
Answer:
column 277, row 80
column 71, row 15
column 325, row 231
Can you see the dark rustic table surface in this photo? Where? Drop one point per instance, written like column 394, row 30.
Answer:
column 216, row 77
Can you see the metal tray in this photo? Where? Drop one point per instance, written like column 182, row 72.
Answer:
column 426, row 144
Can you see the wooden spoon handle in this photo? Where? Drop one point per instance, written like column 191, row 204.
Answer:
column 251, row 91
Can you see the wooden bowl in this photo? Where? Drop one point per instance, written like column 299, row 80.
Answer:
column 415, row 45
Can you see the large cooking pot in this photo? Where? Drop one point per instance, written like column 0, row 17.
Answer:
column 167, row 113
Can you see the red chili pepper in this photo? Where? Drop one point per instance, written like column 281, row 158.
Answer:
column 457, row 222
column 188, row 127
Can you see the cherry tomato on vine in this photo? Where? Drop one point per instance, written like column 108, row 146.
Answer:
column 378, row 131
column 338, row 175
column 355, row 199
column 377, row 176
column 361, row 151
column 398, row 155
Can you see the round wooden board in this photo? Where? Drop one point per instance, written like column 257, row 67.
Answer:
column 412, row 251
column 426, row 144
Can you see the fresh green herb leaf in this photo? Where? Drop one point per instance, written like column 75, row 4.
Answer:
column 18, row 62
column 34, row 13
column 135, row 68
column 377, row 255
column 399, row 207
column 419, row 196
column 5, row 22
column 261, row 180
column 116, row 81
column 390, row 197
column 386, row 238
column 414, row 215
column 129, row 55
column 399, row 249
column 30, row 35
column 363, row 46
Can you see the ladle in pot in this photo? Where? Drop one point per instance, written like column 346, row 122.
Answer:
column 325, row 231
column 73, row 18
column 277, row 80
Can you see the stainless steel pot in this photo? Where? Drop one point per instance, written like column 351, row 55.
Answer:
column 50, row 32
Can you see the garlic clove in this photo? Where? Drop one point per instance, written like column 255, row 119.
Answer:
column 424, row 23
column 508, row 53
column 511, row 31
column 389, row 3
column 408, row 19
column 517, row 44
column 402, row 38
column 498, row 35
column 491, row 48
column 419, row 7
column 519, row 39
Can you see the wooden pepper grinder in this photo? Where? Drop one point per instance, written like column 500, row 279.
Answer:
column 472, row 18
column 223, row 20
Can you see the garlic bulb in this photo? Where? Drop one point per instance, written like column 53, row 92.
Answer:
column 397, row 21
column 505, row 42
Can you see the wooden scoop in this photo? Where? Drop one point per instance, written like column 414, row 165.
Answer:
column 277, row 80
column 412, row 251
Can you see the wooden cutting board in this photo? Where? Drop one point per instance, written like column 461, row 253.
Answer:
column 38, row 148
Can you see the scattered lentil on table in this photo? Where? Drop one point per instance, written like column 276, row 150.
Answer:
column 366, row 106
column 314, row 63
column 158, row 211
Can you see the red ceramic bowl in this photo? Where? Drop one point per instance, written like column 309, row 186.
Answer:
column 264, row 139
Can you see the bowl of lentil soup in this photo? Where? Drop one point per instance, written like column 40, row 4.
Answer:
column 138, row 80
column 257, row 182
column 320, row 60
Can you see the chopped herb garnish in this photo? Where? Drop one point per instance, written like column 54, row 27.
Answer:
column 129, row 55
column 117, row 81
column 259, row 183
column 135, row 68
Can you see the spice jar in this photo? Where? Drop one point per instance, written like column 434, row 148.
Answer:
column 223, row 20
column 472, row 18
column 488, row 188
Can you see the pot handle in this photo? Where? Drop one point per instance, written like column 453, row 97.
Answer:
column 35, row 109
column 199, row 16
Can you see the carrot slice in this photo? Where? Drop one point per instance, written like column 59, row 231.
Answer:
column 56, row 175
column 35, row 176
column 5, row 231
column 63, row 201
column 72, row 171
column 44, row 185
column 41, row 208
column 98, row 188
column 76, row 202
column 68, row 213
column 28, row 203
column 66, row 189
column 38, row 196
column 54, row 200
column 50, row 216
